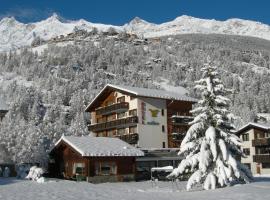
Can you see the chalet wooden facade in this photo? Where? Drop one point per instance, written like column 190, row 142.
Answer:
column 93, row 159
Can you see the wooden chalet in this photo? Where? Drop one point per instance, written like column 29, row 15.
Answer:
column 95, row 159
column 256, row 146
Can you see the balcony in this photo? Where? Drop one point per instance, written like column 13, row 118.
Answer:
column 114, row 108
column 118, row 123
column 177, row 137
column 261, row 142
column 264, row 158
column 181, row 120
column 129, row 138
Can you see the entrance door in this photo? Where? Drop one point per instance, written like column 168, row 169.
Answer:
column 258, row 167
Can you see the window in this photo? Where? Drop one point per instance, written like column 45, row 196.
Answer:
column 245, row 137
column 133, row 112
column 78, row 168
column 267, row 135
column 247, row 165
column 246, row 151
column 132, row 97
column 133, row 129
column 162, row 112
column 121, row 131
column 262, row 150
column 110, row 118
column 259, row 135
column 163, row 128
column 143, row 110
column 121, row 115
column 121, row 99
column 101, row 134
column 101, row 120
column 105, row 168
column 111, row 133
column 163, row 144
column 265, row 165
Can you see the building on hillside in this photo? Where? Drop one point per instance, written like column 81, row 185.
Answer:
column 96, row 159
column 146, row 118
column 3, row 109
column 256, row 146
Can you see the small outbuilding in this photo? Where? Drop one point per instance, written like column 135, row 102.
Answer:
column 95, row 159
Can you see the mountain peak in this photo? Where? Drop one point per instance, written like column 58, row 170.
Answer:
column 8, row 20
column 138, row 20
column 184, row 17
column 56, row 17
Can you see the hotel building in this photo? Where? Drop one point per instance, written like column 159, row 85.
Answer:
column 145, row 118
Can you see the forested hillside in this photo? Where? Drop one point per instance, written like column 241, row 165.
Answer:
column 48, row 90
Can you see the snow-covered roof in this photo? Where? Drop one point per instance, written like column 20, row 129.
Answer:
column 3, row 105
column 182, row 116
column 162, row 169
column 145, row 92
column 254, row 125
column 100, row 146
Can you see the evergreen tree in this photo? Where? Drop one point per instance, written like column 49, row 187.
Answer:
column 210, row 147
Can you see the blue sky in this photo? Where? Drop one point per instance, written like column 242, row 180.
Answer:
column 119, row 12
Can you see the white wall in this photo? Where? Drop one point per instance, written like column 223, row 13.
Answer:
column 151, row 135
column 248, row 144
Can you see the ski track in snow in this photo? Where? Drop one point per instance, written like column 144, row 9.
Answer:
column 12, row 189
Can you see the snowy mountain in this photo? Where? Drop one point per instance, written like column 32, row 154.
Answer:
column 187, row 24
column 15, row 34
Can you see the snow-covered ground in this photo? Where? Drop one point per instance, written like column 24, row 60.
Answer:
column 12, row 189
column 8, row 78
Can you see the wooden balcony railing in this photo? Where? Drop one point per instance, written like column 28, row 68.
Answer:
column 177, row 136
column 264, row 158
column 114, row 108
column 181, row 120
column 118, row 123
column 132, row 138
column 261, row 142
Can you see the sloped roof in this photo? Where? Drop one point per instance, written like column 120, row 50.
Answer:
column 3, row 105
column 145, row 92
column 100, row 146
column 262, row 126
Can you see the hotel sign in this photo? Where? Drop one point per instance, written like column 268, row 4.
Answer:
column 154, row 115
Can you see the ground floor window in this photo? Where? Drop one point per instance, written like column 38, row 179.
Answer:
column 78, row 168
column 106, row 168
column 247, row 165
column 132, row 129
column 265, row 165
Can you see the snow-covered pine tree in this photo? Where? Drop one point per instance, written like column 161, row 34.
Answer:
column 210, row 148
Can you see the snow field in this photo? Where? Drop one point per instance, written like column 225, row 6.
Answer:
column 12, row 189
